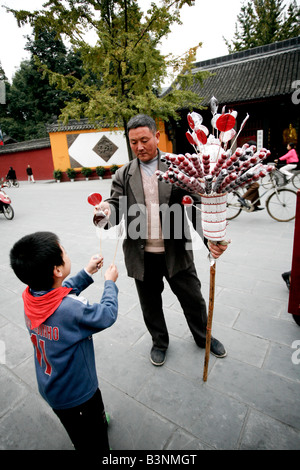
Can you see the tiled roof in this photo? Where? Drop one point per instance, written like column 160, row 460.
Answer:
column 27, row 145
column 72, row 125
column 255, row 74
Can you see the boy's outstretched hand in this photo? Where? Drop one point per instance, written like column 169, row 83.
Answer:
column 95, row 263
column 111, row 274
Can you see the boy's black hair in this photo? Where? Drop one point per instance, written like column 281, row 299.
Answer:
column 34, row 257
column 142, row 120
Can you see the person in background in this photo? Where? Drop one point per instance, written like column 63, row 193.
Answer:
column 30, row 173
column 292, row 160
column 252, row 193
column 11, row 175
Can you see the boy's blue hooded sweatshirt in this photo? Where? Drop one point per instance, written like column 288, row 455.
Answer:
column 64, row 351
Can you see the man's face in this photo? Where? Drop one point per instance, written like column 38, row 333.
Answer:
column 144, row 143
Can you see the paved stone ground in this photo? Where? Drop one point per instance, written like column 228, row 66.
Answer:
column 251, row 399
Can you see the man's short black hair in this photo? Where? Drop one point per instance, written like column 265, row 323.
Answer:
column 142, row 120
column 34, row 257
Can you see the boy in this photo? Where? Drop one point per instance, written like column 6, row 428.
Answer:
column 61, row 325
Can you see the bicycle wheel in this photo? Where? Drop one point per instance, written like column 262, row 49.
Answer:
column 297, row 319
column 8, row 184
column 233, row 206
column 16, row 184
column 8, row 212
column 281, row 205
column 296, row 180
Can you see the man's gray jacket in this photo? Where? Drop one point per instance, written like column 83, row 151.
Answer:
column 127, row 200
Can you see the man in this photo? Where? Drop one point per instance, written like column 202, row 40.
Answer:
column 157, row 239
column 11, row 175
column 252, row 193
column 30, row 173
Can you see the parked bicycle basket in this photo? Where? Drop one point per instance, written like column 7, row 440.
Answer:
column 279, row 178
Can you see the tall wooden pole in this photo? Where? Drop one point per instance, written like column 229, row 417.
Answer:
column 209, row 318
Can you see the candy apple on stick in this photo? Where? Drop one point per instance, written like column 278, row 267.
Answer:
column 94, row 199
column 100, row 218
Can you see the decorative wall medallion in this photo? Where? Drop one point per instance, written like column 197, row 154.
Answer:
column 105, row 148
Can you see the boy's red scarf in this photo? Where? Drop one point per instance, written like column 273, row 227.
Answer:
column 39, row 308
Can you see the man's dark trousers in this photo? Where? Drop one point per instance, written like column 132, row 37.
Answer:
column 187, row 288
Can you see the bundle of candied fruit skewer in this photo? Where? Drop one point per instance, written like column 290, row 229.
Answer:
column 214, row 170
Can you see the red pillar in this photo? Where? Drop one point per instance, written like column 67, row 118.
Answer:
column 294, row 297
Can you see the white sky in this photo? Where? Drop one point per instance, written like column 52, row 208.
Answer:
column 207, row 22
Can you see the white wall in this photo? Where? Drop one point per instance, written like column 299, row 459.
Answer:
column 82, row 149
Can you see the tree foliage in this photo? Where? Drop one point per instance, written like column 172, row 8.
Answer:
column 263, row 22
column 124, row 69
column 31, row 100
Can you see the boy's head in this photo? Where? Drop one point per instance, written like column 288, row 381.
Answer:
column 39, row 260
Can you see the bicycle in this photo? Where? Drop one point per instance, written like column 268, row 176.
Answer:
column 281, row 203
column 14, row 183
column 295, row 180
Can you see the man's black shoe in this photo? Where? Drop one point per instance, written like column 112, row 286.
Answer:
column 217, row 348
column 257, row 208
column 243, row 202
column 157, row 356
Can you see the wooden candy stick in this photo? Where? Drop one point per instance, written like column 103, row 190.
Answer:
column 209, row 318
column 241, row 128
column 100, row 243
column 101, row 249
column 100, row 215
column 120, row 233
column 116, row 251
column 94, row 199
column 210, row 310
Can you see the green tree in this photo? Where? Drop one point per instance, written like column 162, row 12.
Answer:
column 31, row 100
column 124, row 69
column 263, row 22
column 2, row 73
column 4, row 117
